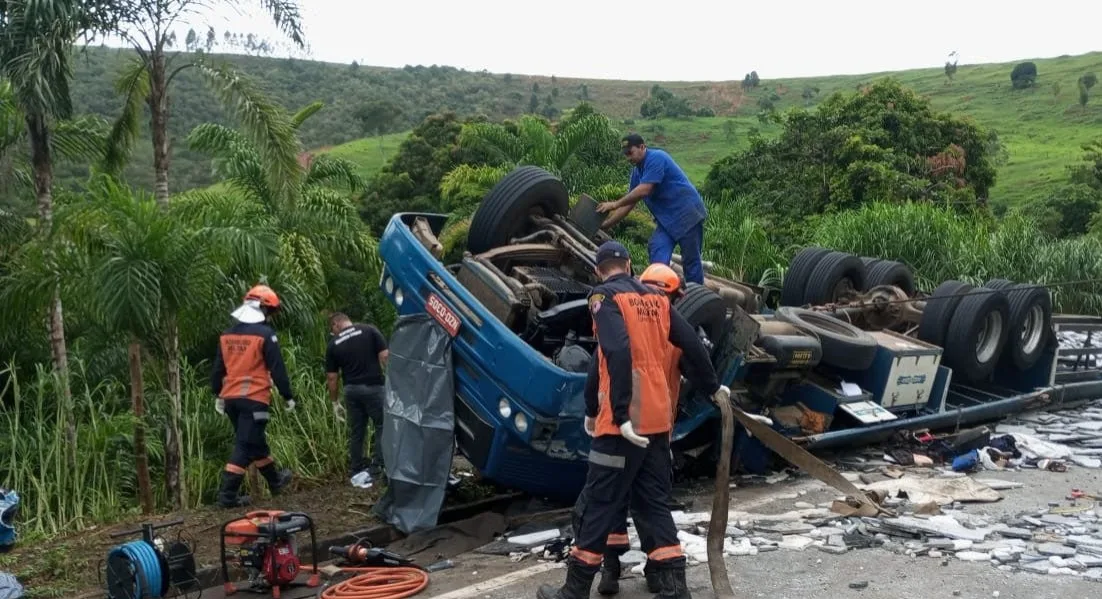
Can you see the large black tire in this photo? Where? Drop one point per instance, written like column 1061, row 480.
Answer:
column 939, row 311
column 977, row 334
column 830, row 275
column 889, row 272
column 503, row 213
column 844, row 345
column 799, row 270
column 703, row 308
column 869, row 261
column 998, row 284
column 1030, row 324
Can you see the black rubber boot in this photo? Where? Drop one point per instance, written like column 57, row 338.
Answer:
column 579, row 579
column 227, row 495
column 673, row 583
column 277, row 479
column 653, row 582
column 610, row 575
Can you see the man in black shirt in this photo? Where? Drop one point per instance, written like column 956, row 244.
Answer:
column 357, row 352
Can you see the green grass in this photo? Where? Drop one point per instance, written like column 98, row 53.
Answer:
column 1043, row 133
column 369, row 154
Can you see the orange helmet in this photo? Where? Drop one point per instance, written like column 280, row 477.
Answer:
column 264, row 294
column 663, row 277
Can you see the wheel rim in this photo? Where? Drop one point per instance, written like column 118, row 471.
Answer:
column 1032, row 329
column 988, row 342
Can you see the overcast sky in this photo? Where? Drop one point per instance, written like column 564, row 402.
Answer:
column 682, row 39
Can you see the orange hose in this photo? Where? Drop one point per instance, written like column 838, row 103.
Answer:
column 379, row 583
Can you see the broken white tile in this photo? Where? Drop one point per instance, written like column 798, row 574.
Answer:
column 796, row 542
column 973, row 556
column 1055, row 549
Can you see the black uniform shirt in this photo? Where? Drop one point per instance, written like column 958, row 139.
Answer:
column 354, row 352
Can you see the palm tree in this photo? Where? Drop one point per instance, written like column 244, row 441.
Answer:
column 266, row 128
column 311, row 206
column 36, row 42
column 147, row 28
column 582, row 149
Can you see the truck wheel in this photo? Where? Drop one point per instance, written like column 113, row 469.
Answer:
column 870, row 262
column 1030, row 324
column 835, row 274
column 939, row 311
column 799, row 270
column 844, row 345
column 889, row 272
column 503, row 213
column 703, row 308
column 977, row 334
column 998, row 284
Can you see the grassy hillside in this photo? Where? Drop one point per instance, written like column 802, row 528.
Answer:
column 1042, row 131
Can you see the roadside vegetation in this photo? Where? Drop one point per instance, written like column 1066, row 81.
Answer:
column 118, row 269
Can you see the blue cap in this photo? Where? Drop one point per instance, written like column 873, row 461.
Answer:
column 611, row 250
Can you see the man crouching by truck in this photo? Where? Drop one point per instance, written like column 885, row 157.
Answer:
column 629, row 460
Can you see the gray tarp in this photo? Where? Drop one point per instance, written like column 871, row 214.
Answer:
column 418, row 424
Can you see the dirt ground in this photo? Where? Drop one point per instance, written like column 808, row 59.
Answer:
column 68, row 566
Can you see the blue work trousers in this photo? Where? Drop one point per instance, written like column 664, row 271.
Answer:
column 660, row 250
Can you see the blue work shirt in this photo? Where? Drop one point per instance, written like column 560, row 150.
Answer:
column 674, row 202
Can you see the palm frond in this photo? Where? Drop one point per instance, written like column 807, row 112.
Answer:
column 495, row 139
column 133, row 86
column 264, row 123
column 466, row 184
column 538, row 141
column 306, row 112
column 287, row 18
column 80, row 140
column 576, row 134
column 234, row 158
column 325, row 168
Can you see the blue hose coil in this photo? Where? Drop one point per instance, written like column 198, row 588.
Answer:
column 148, row 578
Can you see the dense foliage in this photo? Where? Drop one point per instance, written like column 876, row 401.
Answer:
column 883, row 143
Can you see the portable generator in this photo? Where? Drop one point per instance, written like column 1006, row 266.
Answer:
column 263, row 544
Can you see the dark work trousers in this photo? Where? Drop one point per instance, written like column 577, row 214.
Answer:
column 250, row 419
column 363, row 403
column 622, row 474
column 618, row 543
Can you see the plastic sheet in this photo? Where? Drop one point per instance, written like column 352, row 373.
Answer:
column 418, row 424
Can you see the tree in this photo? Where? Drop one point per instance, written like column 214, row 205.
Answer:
column 886, row 144
column 377, row 117
column 729, row 129
column 582, row 150
column 809, row 94
column 533, row 103
column 36, row 43
column 751, row 80
column 147, row 28
column 508, row 78
column 1024, row 75
column 663, row 103
column 951, row 67
column 1086, row 82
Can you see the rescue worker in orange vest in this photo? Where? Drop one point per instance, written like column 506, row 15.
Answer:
column 629, row 459
column 247, row 363
column 664, row 279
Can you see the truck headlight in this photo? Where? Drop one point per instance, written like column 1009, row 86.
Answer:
column 388, row 283
column 398, row 298
column 521, row 422
column 504, row 409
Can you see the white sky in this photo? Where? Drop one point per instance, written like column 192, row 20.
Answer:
column 681, row 39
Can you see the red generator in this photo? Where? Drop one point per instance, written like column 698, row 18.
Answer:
column 262, row 543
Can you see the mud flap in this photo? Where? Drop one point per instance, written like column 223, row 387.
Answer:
column 418, row 424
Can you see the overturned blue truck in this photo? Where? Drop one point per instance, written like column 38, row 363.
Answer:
column 847, row 352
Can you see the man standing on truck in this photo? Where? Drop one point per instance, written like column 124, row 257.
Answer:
column 664, row 279
column 357, row 353
column 677, row 207
column 248, row 360
column 629, row 460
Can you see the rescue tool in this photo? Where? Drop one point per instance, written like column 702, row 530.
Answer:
column 263, row 543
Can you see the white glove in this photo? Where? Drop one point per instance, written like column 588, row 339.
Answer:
column 338, row 411
column 290, row 405
column 723, row 393
column 590, row 425
column 762, row 419
column 628, row 432
column 220, row 406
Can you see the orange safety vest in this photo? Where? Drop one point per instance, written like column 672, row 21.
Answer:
column 247, row 374
column 646, row 314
